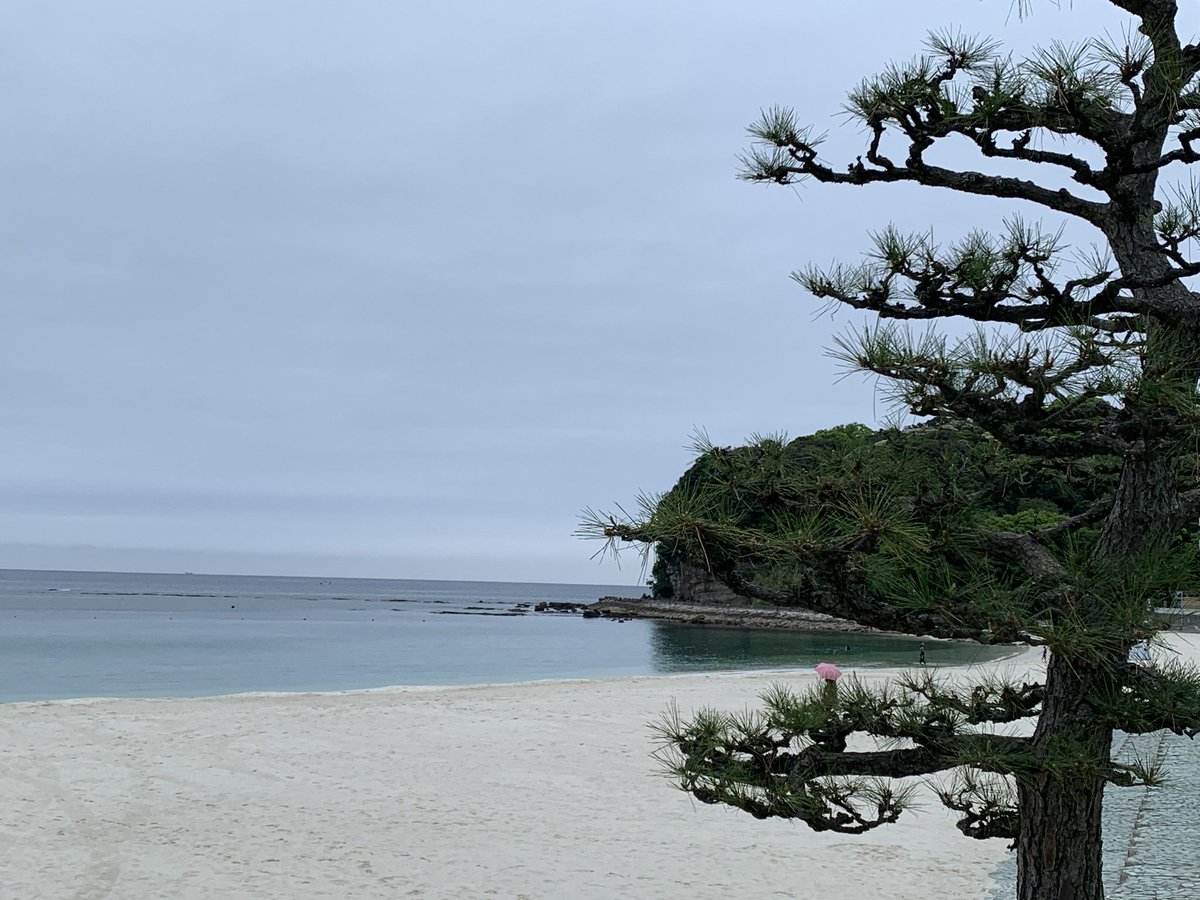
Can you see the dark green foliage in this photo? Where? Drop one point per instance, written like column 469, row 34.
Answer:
column 898, row 528
column 662, row 586
column 951, row 475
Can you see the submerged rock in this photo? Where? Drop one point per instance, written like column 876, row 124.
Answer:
column 557, row 607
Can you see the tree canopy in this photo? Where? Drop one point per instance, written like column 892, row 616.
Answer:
column 900, row 512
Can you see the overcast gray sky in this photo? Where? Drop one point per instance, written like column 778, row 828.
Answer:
column 396, row 288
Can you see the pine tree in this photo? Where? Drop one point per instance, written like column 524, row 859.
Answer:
column 1077, row 359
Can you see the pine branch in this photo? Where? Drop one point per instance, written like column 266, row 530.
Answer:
column 987, row 701
column 987, row 805
column 801, row 161
column 1188, row 508
column 1010, row 278
column 1022, row 395
column 1019, row 148
column 1027, row 553
column 1136, row 774
column 1165, row 697
column 790, row 761
column 1090, row 516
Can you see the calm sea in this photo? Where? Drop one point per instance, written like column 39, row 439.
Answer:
column 102, row 634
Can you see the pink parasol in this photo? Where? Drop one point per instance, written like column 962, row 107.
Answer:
column 829, row 671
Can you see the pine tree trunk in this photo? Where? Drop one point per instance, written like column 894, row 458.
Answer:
column 1143, row 506
column 1060, row 841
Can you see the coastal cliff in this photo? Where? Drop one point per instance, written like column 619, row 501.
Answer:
column 693, row 585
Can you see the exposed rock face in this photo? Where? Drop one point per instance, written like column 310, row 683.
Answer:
column 556, row 607
column 700, row 599
column 694, row 585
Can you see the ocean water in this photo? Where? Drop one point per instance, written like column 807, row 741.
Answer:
column 100, row 634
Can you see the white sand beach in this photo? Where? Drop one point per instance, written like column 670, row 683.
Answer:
column 543, row 790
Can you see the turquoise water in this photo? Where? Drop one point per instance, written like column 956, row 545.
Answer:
column 98, row 634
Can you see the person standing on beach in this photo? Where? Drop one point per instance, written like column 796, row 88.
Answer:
column 921, row 658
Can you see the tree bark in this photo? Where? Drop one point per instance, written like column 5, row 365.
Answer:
column 1143, row 510
column 1059, row 839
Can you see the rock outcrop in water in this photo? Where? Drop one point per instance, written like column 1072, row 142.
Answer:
column 729, row 616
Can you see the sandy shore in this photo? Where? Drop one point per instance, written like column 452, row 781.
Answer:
column 542, row 790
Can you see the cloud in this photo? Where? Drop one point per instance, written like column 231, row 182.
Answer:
column 405, row 286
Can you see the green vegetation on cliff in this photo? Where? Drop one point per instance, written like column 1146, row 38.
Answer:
column 946, row 478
